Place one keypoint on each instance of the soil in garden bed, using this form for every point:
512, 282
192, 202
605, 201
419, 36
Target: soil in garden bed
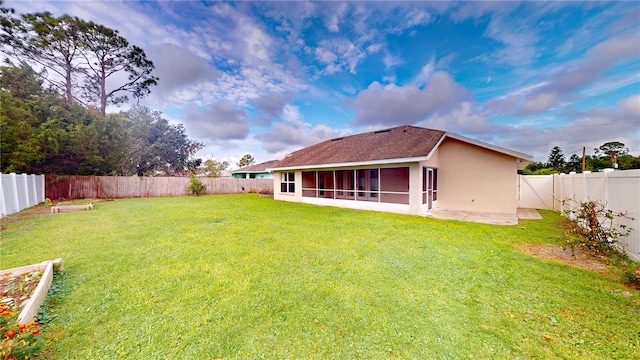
19, 288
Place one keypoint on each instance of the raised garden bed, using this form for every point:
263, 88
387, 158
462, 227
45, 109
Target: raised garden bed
69, 208
25, 288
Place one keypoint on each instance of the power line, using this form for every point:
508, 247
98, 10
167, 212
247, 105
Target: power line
542, 128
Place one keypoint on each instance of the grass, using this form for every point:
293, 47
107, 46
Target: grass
242, 276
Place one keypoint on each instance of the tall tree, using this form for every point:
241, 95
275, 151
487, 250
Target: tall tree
574, 163
22, 110
42, 135
48, 42
156, 146
614, 150
246, 160
214, 168
79, 57
556, 159
107, 53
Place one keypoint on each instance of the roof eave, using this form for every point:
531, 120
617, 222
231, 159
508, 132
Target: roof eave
249, 172
352, 164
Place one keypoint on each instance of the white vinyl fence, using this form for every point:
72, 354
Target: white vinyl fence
619, 191
20, 191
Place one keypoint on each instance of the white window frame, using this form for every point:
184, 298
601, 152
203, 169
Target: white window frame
288, 179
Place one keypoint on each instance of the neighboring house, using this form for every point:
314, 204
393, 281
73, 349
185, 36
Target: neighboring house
257, 171
405, 169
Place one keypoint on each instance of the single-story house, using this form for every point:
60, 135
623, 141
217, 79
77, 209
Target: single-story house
257, 171
405, 169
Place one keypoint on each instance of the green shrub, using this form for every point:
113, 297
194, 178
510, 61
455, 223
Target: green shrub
196, 187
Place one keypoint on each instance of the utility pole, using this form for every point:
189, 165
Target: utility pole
584, 158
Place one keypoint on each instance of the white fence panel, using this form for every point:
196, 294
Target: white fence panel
622, 194
618, 190
18, 192
535, 192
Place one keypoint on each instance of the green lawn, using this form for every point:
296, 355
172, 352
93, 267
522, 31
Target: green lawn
241, 276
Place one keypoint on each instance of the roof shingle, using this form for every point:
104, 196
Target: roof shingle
394, 143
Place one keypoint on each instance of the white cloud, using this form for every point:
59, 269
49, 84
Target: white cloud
271, 107
417, 16
462, 119
426, 72
287, 137
589, 129
219, 121
374, 48
398, 105
333, 21
291, 114
631, 107
595, 62
537, 103
391, 61
178, 67
326, 56
339, 54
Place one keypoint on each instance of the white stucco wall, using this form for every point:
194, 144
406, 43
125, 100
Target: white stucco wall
472, 178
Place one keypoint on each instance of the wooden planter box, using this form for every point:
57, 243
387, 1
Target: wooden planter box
30, 310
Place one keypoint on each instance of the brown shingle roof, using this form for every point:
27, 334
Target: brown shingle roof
262, 167
395, 143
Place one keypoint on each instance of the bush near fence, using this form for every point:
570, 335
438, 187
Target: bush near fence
71, 187
619, 191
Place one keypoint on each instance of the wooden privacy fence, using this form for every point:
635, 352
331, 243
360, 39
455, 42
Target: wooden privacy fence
66, 187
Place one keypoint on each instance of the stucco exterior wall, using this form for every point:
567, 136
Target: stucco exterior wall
278, 195
472, 178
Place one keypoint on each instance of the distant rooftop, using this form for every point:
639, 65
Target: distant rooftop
261, 167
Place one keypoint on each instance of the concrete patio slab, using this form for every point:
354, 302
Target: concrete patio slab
529, 214
485, 218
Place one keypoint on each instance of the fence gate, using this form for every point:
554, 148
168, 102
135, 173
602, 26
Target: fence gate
535, 191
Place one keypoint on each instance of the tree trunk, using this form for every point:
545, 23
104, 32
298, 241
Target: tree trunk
103, 93
68, 95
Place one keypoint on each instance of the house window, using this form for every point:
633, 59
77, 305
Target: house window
287, 182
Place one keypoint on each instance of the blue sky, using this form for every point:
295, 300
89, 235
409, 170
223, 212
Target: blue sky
268, 78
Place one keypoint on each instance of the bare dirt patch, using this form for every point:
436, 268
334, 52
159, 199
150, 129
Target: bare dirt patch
39, 210
35, 211
575, 257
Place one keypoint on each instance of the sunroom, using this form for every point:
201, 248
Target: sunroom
385, 188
